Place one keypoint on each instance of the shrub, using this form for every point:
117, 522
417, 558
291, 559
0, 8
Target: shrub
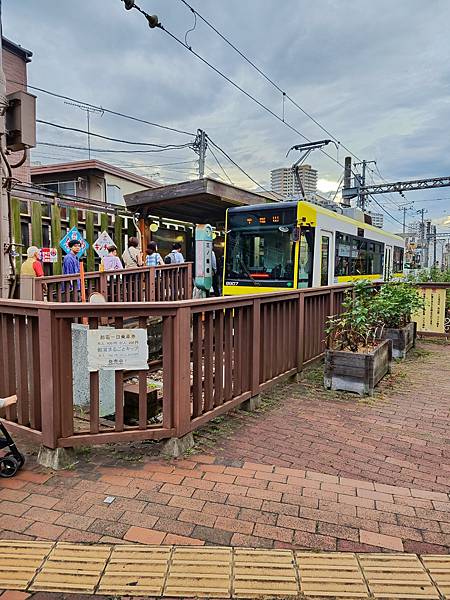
396, 302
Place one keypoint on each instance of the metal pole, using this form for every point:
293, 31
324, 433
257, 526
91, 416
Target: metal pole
434, 245
363, 184
202, 154
89, 134
4, 208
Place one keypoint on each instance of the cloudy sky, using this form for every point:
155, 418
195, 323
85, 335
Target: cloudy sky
374, 73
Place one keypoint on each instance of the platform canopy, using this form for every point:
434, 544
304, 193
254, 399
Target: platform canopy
200, 201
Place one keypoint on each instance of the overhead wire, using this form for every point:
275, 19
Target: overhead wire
110, 151
106, 110
220, 166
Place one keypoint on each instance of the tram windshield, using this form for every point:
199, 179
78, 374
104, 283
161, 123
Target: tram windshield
260, 250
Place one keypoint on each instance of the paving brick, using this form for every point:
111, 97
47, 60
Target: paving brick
418, 523
424, 548
79, 537
104, 527
258, 467
433, 537
138, 519
12, 508
250, 541
338, 531
253, 482
322, 477
168, 478
162, 510
349, 546
296, 523
42, 514
226, 488
392, 489
13, 523
314, 541
240, 472
25, 475
13, 484
122, 491
264, 494
428, 495
376, 515
75, 521
154, 497
197, 518
297, 500
212, 536
356, 501
234, 525
281, 508
290, 472
258, 516
176, 490
368, 485
274, 533
217, 497
374, 495
181, 540
45, 531
14, 595
220, 478
116, 480
107, 512
405, 533
12, 495
220, 510
190, 503
383, 541
174, 526
144, 536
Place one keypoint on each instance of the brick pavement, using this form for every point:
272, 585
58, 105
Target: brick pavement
335, 485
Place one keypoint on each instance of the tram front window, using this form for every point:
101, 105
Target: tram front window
261, 257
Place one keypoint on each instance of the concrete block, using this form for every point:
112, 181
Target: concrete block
252, 403
176, 447
57, 459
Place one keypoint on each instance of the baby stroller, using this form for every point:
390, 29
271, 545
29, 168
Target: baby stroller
13, 460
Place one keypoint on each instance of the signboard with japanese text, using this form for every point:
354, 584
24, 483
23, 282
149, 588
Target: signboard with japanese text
101, 244
74, 234
116, 349
48, 255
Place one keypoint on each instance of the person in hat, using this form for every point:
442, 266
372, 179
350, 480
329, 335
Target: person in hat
71, 262
32, 265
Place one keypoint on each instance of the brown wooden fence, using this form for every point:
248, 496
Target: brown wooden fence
216, 354
144, 284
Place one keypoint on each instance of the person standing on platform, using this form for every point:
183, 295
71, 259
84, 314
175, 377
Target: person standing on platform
154, 259
175, 257
112, 262
71, 262
32, 266
132, 257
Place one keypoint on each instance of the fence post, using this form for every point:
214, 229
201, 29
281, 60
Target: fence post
332, 308
49, 357
152, 285
301, 332
103, 285
38, 289
255, 347
181, 385
188, 282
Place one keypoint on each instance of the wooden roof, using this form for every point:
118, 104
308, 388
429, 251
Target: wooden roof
200, 201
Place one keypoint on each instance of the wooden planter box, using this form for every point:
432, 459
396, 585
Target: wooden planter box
402, 339
355, 371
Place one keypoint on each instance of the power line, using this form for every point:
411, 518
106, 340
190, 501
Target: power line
240, 168
111, 151
106, 110
104, 137
220, 166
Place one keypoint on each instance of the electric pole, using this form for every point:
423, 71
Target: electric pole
362, 197
422, 211
4, 207
405, 208
200, 146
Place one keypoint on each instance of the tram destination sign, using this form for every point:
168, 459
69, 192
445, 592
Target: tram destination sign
117, 349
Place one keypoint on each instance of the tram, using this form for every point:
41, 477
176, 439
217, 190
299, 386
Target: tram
271, 247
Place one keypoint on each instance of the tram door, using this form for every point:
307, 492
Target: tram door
387, 262
325, 258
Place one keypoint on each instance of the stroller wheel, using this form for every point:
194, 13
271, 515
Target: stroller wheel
20, 458
8, 466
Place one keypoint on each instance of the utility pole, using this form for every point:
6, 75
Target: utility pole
405, 208
434, 244
200, 146
422, 211
362, 197
4, 208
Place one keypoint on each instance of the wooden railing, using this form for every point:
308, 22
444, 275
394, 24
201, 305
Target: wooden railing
144, 284
215, 353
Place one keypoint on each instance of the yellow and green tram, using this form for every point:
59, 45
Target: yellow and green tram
290, 245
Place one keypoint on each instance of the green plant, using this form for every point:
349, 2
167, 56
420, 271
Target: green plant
356, 327
395, 303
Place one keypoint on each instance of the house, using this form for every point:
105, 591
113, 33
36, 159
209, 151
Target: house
92, 179
15, 60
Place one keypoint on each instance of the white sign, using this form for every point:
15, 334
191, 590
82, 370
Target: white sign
101, 244
116, 349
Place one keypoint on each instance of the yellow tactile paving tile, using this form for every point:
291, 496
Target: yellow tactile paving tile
331, 575
136, 571
72, 568
397, 576
439, 568
19, 562
200, 572
264, 573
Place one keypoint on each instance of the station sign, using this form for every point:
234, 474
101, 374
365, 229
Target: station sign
74, 234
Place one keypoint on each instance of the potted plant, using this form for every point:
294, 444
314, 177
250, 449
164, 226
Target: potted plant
393, 306
356, 358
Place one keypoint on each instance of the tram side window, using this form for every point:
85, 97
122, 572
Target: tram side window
398, 259
357, 256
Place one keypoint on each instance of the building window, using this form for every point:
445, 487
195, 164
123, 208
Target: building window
68, 188
114, 194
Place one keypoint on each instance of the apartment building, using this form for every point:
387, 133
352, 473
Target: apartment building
284, 182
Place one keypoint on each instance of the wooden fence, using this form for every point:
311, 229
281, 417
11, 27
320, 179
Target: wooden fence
216, 354
144, 284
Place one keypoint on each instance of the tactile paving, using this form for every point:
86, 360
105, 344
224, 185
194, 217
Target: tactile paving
439, 568
331, 575
264, 573
20, 561
136, 571
202, 572
397, 576
72, 568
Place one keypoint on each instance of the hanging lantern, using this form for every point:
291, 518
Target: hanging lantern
154, 227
